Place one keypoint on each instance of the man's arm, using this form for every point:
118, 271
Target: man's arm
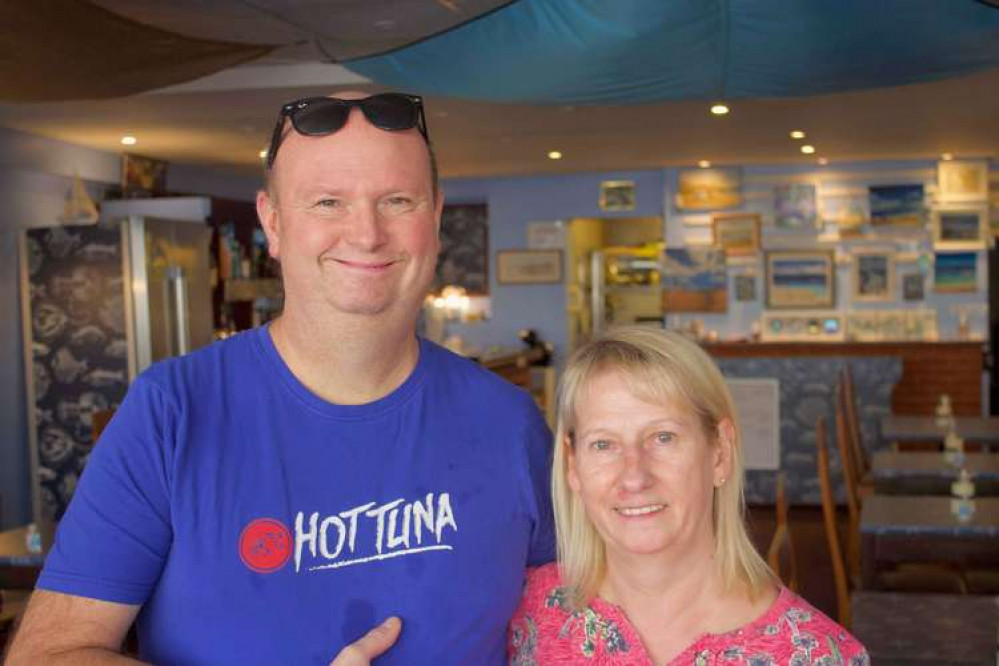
75, 631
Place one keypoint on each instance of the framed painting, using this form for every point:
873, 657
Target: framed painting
960, 226
873, 275
962, 181
738, 234
693, 280
142, 176
617, 195
955, 272
795, 207
529, 266
801, 278
463, 260
846, 212
745, 287
913, 287
897, 205
709, 189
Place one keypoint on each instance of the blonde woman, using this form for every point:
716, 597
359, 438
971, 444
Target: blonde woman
655, 566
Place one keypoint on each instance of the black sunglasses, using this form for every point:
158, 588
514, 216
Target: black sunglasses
319, 116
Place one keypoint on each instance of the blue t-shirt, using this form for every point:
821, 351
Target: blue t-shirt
260, 524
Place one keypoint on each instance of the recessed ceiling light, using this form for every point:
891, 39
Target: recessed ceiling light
704, 164
554, 155
823, 161
797, 134
808, 149
129, 141
719, 109
947, 157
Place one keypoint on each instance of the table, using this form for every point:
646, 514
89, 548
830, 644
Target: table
925, 429
901, 628
910, 528
929, 473
18, 567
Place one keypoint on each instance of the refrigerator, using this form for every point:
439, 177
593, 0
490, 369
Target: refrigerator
100, 303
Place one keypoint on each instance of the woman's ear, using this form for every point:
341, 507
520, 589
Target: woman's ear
724, 451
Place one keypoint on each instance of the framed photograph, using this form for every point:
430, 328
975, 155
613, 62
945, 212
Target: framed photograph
617, 195
693, 280
873, 275
912, 287
897, 205
709, 189
955, 272
963, 181
545, 235
960, 226
745, 287
529, 266
801, 278
463, 260
738, 234
142, 176
795, 207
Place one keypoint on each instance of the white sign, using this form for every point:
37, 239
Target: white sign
757, 406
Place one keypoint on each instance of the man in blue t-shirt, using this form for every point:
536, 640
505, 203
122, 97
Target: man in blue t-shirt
271, 498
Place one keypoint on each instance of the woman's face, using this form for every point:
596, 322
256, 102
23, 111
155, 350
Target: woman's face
646, 472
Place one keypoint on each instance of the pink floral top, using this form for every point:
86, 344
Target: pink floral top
543, 631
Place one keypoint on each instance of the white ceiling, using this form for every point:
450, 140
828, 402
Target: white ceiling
225, 120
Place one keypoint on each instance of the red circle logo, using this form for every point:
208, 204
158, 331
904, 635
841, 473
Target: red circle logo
265, 545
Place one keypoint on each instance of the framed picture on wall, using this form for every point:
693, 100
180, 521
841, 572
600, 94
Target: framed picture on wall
912, 287
897, 205
745, 287
873, 275
693, 280
801, 278
962, 180
709, 189
955, 272
738, 234
960, 226
463, 260
142, 176
529, 266
617, 195
795, 207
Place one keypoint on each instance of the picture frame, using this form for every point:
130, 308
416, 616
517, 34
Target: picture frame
693, 280
960, 226
529, 266
962, 181
800, 279
795, 207
955, 272
738, 234
709, 189
617, 195
142, 176
873, 275
897, 206
744, 287
463, 259
913, 287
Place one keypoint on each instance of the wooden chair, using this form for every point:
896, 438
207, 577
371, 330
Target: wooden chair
839, 561
98, 421
780, 555
861, 461
849, 485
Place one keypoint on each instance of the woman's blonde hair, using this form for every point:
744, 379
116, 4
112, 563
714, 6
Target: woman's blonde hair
658, 366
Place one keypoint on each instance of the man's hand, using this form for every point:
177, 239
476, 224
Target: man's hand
371, 645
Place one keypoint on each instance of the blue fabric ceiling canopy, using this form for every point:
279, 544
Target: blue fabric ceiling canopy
639, 51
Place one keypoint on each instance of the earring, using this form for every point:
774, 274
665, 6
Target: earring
720, 482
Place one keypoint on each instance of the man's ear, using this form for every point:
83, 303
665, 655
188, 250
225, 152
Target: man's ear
269, 222
724, 451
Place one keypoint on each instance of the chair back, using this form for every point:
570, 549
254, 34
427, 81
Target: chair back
780, 554
839, 563
98, 421
861, 463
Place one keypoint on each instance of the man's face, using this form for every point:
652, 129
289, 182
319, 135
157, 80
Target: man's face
353, 219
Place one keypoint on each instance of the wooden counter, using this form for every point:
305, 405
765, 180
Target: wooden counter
928, 368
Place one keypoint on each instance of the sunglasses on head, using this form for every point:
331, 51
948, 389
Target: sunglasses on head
319, 116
